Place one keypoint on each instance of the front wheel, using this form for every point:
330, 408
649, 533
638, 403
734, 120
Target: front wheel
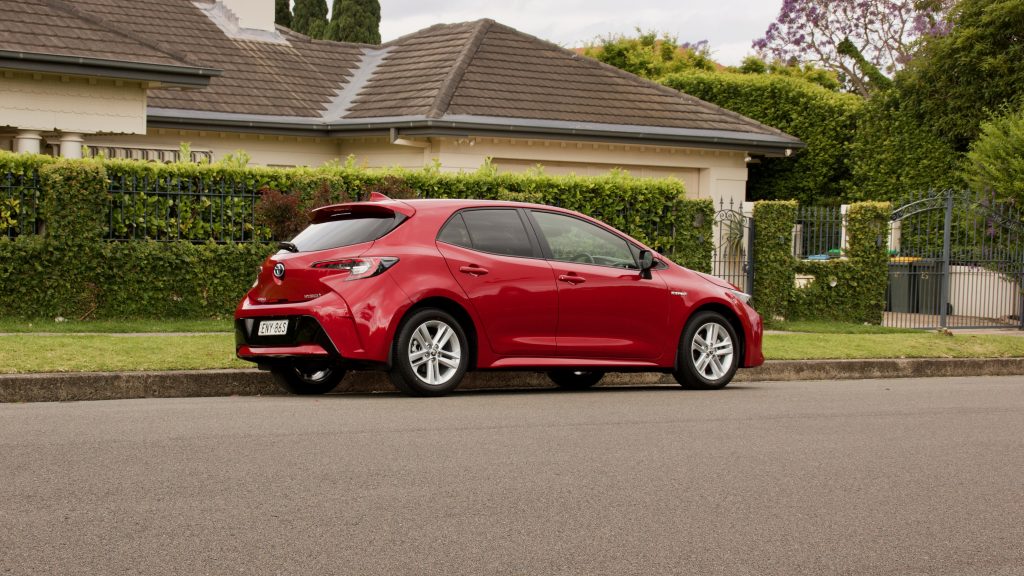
708, 352
308, 380
575, 379
430, 354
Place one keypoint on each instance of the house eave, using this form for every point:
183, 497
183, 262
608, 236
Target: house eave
481, 126
166, 75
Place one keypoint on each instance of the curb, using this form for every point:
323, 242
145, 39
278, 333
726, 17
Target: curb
74, 386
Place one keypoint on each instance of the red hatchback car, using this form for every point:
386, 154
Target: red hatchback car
429, 289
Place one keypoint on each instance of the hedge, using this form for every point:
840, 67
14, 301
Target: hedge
72, 268
825, 120
773, 256
860, 279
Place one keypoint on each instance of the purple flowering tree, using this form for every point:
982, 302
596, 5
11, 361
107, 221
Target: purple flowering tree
854, 38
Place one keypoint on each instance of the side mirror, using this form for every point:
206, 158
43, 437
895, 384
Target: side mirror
646, 263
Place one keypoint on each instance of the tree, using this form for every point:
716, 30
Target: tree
309, 17
283, 13
355, 21
649, 56
995, 161
852, 37
959, 80
825, 78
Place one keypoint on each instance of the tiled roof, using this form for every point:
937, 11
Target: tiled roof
477, 72
63, 29
297, 78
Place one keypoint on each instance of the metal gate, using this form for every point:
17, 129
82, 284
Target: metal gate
956, 261
732, 258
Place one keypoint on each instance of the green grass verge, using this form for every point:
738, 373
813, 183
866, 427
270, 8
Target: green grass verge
114, 326
104, 353
819, 327
919, 345
108, 353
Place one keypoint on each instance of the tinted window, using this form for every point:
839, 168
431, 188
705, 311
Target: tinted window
455, 232
498, 231
345, 231
573, 240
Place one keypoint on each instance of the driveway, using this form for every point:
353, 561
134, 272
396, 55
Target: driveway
919, 476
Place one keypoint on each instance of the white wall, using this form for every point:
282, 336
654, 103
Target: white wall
47, 102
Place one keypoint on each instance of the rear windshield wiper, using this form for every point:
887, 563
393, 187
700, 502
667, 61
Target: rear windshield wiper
288, 246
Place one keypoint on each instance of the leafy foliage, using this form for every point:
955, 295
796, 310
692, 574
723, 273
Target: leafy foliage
961, 79
892, 153
823, 119
809, 72
835, 34
773, 256
355, 21
283, 13
996, 158
860, 280
280, 213
309, 17
650, 56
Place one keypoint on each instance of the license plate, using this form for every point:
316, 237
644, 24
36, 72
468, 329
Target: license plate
272, 328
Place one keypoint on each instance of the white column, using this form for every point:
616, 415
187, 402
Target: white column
27, 141
71, 145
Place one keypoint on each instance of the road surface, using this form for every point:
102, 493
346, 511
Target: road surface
895, 477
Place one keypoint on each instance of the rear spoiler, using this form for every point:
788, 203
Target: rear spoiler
378, 204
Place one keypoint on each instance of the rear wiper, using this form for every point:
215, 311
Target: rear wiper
288, 246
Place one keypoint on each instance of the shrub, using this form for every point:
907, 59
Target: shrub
995, 162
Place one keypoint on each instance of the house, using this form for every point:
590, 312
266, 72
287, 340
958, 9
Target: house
136, 79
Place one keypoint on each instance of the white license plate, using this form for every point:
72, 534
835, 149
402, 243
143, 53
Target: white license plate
272, 328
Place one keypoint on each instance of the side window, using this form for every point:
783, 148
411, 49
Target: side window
573, 240
499, 231
455, 232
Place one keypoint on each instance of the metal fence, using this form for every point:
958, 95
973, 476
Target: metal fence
820, 232
19, 204
957, 261
176, 208
732, 257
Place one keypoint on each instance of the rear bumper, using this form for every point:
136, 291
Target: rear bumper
257, 353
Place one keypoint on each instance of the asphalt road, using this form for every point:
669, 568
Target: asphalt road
898, 477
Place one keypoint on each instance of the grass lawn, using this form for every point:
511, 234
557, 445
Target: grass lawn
111, 326
108, 352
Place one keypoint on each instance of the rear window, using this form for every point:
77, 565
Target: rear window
346, 231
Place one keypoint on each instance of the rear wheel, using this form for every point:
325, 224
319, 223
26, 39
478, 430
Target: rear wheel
307, 380
575, 379
430, 355
708, 352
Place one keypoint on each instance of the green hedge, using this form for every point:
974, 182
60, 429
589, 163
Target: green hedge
824, 120
851, 289
71, 269
773, 256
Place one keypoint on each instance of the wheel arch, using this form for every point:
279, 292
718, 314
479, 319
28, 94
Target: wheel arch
451, 307
729, 314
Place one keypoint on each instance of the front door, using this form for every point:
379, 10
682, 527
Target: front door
605, 308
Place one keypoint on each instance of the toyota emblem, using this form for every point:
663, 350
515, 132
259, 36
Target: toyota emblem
279, 270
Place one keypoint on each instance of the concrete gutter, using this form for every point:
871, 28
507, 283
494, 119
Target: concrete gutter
75, 386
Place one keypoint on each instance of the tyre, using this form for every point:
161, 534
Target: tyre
430, 355
307, 380
575, 379
708, 352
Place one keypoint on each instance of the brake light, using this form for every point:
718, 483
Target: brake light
358, 268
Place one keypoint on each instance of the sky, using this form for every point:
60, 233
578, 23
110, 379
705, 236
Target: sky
729, 25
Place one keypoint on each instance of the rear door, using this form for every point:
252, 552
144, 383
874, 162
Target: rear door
499, 265
605, 308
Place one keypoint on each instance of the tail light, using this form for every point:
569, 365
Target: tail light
357, 268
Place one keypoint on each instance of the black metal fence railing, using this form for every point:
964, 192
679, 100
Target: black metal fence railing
819, 233
19, 204
178, 208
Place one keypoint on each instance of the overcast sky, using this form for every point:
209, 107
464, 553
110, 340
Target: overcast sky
729, 25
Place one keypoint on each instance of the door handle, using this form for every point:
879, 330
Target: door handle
473, 270
572, 279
